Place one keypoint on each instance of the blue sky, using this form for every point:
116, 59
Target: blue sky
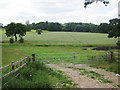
56, 11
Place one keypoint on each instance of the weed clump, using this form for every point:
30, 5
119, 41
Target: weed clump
11, 40
21, 40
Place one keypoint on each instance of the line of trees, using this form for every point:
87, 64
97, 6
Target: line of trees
73, 27
113, 28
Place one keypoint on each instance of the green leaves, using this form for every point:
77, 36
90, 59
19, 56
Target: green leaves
15, 28
87, 2
115, 32
10, 29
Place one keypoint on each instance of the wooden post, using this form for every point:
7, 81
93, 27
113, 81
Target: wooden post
21, 63
74, 58
111, 55
118, 80
13, 67
33, 57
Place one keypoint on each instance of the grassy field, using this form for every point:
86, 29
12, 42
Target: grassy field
52, 42
68, 38
15, 52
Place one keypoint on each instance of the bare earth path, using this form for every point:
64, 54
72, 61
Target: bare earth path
87, 82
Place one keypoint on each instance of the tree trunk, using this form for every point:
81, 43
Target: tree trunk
15, 37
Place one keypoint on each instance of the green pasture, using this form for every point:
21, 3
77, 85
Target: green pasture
80, 38
52, 42
16, 52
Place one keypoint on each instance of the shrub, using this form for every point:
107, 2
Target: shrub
39, 31
11, 40
118, 43
21, 40
38, 66
41, 80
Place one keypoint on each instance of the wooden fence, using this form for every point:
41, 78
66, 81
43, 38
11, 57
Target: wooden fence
12, 65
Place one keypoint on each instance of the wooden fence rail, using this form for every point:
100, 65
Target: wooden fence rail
13, 66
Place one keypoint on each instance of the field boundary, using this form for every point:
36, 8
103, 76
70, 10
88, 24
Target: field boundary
22, 62
35, 57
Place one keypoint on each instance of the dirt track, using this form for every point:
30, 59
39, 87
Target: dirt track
87, 82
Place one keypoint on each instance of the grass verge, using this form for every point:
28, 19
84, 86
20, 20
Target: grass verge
37, 75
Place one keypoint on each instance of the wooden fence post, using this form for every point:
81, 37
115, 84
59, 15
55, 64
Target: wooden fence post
13, 67
111, 55
74, 58
21, 63
33, 57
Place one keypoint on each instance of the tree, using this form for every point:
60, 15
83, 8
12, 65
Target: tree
82, 28
104, 28
27, 22
113, 21
41, 25
115, 32
28, 25
70, 26
13, 29
87, 2
33, 25
54, 26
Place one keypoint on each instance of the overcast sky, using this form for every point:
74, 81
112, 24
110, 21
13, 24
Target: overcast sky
56, 11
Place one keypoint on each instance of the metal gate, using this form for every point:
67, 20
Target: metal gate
86, 58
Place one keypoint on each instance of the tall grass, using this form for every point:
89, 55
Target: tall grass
105, 63
37, 75
30, 77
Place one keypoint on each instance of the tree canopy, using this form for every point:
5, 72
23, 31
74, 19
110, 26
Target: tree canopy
115, 32
13, 29
87, 2
72, 27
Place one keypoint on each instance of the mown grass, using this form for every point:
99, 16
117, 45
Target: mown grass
37, 75
14, 52
68, 38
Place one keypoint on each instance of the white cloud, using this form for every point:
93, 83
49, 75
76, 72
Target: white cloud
56, 10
